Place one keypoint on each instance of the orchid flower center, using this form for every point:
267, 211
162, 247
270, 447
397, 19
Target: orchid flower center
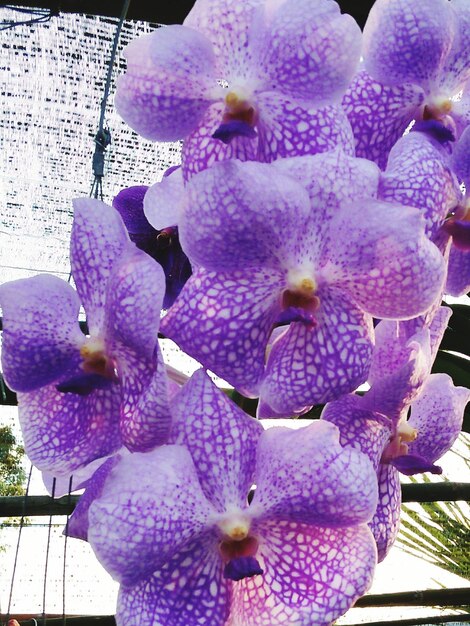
437, 109
398, 445
239, 118
95, 359
238, 548
238, 107
299, 299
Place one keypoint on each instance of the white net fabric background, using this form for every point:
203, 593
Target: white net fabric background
52, 78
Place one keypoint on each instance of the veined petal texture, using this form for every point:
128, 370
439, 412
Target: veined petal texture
437, 416
221, 438
379, 114
304, 475
41, 335
188, 590
418, 175
169, 83
238, 216
408, 42
97, 240
384, 260
310, 51
150, 506
312, 575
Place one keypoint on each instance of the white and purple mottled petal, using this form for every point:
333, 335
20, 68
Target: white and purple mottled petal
77, 524
379, 114
417, 175
288, 127
188, 590
41, 335
170, 82
386, 521
231, 26
408, 42
399, 368
224, 320
134, 299
311, 575
384, 260
456, 70
461, 158
238, 215
458, 273
221, 438
359, 427
323, 176
304, 475
150, 506
315, 363
65, 431
437, 416
97, 241
164, 201
310, 50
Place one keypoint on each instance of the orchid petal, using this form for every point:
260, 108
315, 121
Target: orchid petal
456, 70
77, 524
408, 42
134, 300
236, 206
231, 27
289, 128
461, 158
64, 431
417, 175
41, 335
304, 475
386, 521
209, 425
437, 416
311, 575
458, 274
224, 321
187, 590
310, 50
315, 364
168, 85
359, 427
384, 260
150, 506
379, 114
98, 238
163, 202
399, 369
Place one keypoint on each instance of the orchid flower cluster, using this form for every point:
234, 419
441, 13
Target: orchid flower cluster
301, 249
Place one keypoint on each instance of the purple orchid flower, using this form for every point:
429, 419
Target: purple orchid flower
175, 528
162, 245
378, 423
421, 173
416, 63
258, 81
301, 238
82, 397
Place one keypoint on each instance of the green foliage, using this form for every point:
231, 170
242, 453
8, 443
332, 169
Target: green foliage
439, 533
12, 474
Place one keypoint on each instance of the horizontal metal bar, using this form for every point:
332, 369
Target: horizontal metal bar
458, 596
36, 506
32, 506
417, 621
